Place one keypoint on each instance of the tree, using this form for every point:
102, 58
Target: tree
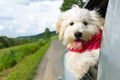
8, 42
47, 33
67, 4
4, 41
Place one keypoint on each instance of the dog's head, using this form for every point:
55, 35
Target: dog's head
77, 26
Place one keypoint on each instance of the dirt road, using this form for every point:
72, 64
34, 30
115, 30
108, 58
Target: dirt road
50, 67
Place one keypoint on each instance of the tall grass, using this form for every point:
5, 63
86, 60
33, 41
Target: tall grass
27, 68
15, 55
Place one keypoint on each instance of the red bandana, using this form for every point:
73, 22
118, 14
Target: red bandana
94, 43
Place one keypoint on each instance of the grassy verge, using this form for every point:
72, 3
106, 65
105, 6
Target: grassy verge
54, 37
15, 55
6, 50
27, 68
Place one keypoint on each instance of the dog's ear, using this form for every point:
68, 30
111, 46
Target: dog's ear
58, 25
99, 21
59, 29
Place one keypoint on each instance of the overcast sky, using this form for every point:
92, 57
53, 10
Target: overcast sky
28, 17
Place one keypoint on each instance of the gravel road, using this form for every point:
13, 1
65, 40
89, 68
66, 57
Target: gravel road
50, 67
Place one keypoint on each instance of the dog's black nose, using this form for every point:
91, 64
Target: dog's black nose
78, 34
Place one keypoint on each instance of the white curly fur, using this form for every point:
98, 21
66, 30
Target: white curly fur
76, 63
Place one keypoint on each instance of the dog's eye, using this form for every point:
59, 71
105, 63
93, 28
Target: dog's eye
85, 23
71, 23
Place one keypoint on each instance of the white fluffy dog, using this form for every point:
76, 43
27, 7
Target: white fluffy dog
81, 30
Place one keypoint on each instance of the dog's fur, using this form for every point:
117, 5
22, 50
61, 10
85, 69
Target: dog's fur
88, 23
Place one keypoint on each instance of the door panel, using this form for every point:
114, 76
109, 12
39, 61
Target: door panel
109, 61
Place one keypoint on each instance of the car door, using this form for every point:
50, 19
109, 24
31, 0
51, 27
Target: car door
109, 60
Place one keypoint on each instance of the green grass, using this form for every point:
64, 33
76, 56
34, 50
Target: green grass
2, 51
54, 37
27, 68
14, 55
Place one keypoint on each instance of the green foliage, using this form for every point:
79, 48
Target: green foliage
27, 68
6, 42
6, 61
20, 41
67, 4
15, 55
47, 33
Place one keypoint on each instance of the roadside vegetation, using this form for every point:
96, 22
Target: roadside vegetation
15, 55
20, 62
6, 42
27, 68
